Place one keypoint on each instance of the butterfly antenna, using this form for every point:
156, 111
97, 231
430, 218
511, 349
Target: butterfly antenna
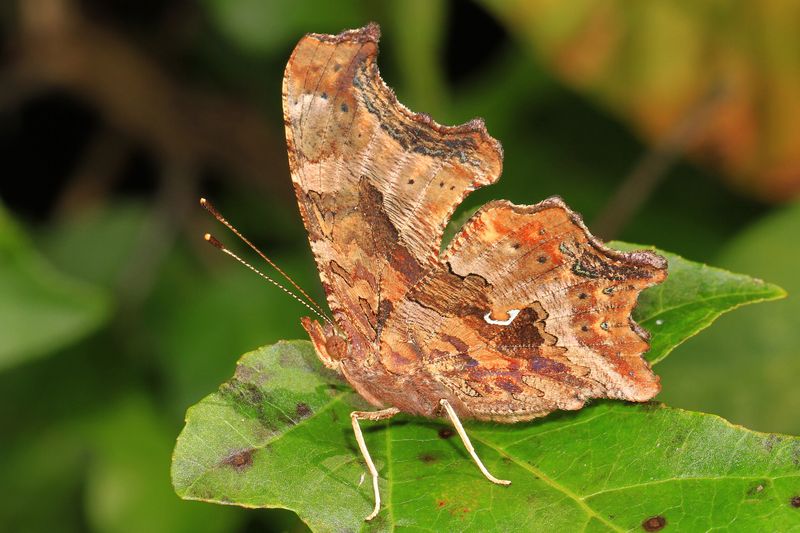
222, 220
216, 244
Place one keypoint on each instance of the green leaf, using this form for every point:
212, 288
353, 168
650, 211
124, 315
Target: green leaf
419, 26
691, 298
41, 310
278, 435
757, 346
97, 245
262, 27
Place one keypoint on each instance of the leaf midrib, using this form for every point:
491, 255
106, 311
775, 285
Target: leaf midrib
682, 479
764, 296
553, 483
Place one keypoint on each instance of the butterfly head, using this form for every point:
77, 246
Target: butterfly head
331, 346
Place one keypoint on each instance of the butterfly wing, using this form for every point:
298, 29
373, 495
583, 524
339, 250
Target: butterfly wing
524, 312
375, 183
528, 313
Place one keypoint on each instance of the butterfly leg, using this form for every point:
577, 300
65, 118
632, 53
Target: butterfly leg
355, 416
467, 444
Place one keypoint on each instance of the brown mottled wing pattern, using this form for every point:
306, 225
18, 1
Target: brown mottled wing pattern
529, 313
376, 183
524, 313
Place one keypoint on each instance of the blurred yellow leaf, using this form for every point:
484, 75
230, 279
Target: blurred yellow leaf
654, 63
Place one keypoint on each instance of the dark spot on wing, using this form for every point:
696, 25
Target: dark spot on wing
469, 362
590, 263
344, 108
457, 343
543, 365
507, 385
525, 332
385, 236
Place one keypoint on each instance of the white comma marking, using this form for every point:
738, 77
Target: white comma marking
512, 314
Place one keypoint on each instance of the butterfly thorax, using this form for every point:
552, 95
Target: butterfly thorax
412, 391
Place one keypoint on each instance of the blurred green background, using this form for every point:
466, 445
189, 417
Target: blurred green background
668, 123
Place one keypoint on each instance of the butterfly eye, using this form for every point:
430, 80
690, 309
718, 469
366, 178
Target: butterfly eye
512, 314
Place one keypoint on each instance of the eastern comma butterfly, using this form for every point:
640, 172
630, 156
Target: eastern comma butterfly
523, 313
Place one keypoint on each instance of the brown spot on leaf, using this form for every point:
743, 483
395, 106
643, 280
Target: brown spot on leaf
770, 442
248, 401
427, 458
446, 433
240, 460
302, 410
441, 503
654, 523
795, 502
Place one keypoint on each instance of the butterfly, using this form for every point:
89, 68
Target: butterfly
522, 314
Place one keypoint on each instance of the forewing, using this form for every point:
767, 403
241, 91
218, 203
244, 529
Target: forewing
528, 313
375, 183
